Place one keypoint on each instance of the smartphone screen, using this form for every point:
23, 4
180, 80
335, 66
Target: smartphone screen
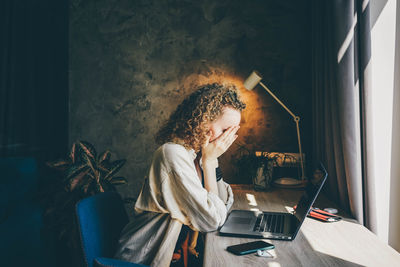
250, 247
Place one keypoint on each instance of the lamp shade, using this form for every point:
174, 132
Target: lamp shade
252, 80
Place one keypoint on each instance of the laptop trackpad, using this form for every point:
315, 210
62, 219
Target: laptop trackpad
240, 220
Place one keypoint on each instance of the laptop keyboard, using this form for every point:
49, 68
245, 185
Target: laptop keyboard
269, 223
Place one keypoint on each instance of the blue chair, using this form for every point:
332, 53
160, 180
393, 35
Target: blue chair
100, 220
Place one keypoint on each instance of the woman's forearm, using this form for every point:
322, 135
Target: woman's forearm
210, 179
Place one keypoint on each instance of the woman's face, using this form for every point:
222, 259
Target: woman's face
229, 117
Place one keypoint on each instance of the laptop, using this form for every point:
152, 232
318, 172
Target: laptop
275, 225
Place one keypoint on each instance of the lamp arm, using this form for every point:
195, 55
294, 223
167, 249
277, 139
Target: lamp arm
277, 99
296, 119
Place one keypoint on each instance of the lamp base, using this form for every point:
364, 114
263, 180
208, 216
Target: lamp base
287, 182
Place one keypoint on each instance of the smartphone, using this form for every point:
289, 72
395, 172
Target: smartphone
247, 248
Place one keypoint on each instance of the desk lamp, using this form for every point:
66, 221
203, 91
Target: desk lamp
249, 84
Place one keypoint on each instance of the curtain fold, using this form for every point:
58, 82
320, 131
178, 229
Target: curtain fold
363, 77
340, 60
33, 78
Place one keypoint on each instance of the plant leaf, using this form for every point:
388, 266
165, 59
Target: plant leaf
86, 188
118, 180
78, 180
76, 170
92, 165
72, 154
99, 188
102, 168
105, 156
88, 149
114, 168
107, 185
60, 164
91, 176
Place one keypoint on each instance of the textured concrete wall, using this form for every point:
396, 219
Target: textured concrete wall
132, 62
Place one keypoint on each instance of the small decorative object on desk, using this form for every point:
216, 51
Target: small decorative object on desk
254, 167
263, 176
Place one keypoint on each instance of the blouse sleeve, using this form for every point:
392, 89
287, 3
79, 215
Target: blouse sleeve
225, 193
185, 197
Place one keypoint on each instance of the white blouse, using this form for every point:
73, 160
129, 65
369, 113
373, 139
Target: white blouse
172, 195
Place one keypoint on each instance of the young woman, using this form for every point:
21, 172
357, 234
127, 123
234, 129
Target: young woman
184, 193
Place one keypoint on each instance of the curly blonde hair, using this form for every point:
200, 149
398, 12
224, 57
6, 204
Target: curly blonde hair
188, 125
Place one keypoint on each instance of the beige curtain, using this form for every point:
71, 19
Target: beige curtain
341, 104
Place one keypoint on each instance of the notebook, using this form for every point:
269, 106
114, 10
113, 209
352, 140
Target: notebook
275, 225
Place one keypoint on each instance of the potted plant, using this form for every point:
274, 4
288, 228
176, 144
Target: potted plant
82, 173
254, 167
88, 173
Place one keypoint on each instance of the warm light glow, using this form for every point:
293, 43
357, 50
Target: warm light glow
222, 77
251, 116
251, 199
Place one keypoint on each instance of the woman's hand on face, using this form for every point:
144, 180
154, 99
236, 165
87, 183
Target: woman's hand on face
212, 150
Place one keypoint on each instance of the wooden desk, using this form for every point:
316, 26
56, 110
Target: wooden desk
343, 243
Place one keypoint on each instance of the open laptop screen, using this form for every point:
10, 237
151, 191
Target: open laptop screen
310, 193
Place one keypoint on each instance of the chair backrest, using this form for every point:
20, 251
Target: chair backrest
100, 219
